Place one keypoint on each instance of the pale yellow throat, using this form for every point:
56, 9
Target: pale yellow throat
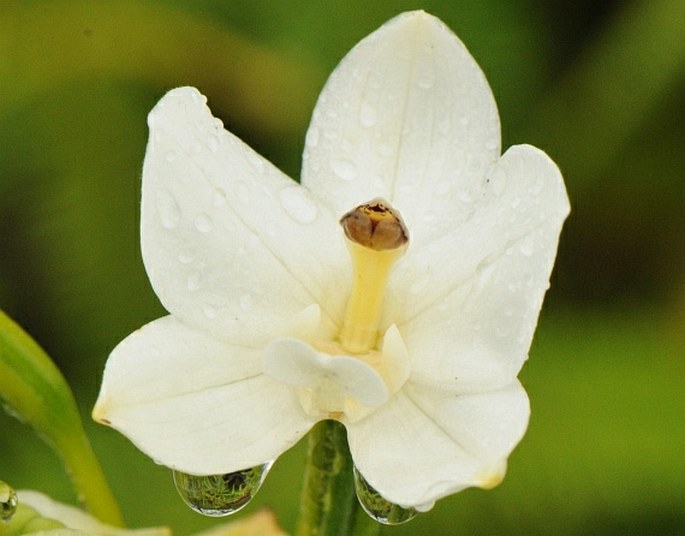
376, 238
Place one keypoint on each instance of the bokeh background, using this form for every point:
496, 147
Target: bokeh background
600, 86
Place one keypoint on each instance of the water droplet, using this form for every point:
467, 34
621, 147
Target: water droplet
526, 248
377, 507
491, 145
299, 205
368, 115
168, 209
209, 311
213, 143
312, 138
256, 161
498, 181
345, 169
219, 198
465, 197
193, 281
203, 223
220, 495
425, 83
245, 302
516, 202
8, 501
186, 256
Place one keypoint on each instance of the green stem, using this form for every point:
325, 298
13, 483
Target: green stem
328, 506
35, 390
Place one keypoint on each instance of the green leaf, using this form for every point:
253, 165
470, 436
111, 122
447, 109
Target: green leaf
33, 389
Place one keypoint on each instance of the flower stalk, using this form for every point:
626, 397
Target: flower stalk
328, 505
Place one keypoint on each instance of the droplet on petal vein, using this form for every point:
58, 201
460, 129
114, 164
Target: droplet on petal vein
377, 507
8, 501
220, 495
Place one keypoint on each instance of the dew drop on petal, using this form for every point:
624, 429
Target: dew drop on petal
425, 83
193, 281
209, 311
186, 256
312, 139
220, 495
203, 223
8, 501
298, 204
245, 302
213, 143
368, 115
256, 161
345, 169
168, 209
377, 507
219, 198
526, 248
498, 181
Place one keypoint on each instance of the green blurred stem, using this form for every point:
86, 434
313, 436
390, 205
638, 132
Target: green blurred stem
34, 390
328, 506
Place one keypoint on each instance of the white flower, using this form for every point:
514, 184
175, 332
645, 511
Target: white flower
263, 337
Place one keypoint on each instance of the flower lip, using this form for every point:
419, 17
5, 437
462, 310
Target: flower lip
375, 225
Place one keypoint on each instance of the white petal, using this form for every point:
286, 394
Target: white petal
426, 444
297, 364
77, 521
407, 115
229, 242
471, 299
195, 404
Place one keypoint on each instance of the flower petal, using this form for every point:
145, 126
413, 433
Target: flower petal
408, 116
229, 242
77, 521
426, 444
471, 299
196, 404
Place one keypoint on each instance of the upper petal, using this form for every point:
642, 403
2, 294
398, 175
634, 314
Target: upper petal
196, 404
229, 242
469, 301
426, 443
407, 115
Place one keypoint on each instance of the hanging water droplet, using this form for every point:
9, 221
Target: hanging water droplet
220, 495
8, 501
377, 507
345, 169
168, 209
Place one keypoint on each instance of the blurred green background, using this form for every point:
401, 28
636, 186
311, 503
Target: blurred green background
600, 86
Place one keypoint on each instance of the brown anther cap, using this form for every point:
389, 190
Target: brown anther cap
375, 225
